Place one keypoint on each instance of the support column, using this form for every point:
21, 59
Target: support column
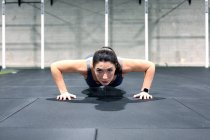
207, 32
3, 36
146, 31
106, 23
42, 34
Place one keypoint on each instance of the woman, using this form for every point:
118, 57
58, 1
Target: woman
103, 69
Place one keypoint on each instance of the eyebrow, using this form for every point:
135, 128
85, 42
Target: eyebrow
104, 69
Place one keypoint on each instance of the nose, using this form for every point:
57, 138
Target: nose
105, 76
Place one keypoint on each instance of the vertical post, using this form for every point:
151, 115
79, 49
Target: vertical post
146, 31
207, 33
19, 3
3, 36
51, 2
42, 34
106, 23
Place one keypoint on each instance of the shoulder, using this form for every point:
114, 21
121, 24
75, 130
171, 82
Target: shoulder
135, 65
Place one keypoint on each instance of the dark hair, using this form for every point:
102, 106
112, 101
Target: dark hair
107, 54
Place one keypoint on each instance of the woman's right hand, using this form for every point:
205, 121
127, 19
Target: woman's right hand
66, 96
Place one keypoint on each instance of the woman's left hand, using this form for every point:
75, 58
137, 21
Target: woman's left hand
143, 96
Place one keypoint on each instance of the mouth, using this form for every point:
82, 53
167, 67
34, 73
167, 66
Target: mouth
104, 82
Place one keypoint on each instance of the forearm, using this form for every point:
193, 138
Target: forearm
58, 78
149, 75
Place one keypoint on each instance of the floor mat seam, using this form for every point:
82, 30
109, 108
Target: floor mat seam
24, 106
192, 110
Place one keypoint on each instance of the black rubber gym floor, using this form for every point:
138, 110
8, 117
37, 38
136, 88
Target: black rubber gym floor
180, 108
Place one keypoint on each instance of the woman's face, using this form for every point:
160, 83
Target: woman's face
104, 72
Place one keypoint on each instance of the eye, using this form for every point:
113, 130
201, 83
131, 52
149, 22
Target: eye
110, 70
98, 70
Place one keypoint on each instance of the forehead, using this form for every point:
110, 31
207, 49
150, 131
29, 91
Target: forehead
104, 65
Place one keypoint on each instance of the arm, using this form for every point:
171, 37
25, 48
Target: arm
137, 65
149, 75
60, 67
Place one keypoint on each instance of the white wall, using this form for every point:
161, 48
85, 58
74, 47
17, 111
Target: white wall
75, 28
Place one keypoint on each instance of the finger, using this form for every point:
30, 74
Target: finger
151, 97
74, 96
148, 97
68, 97
64, 98
136, 96
141, 97
58, 97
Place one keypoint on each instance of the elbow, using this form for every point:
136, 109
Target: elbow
151, 67
53, 67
